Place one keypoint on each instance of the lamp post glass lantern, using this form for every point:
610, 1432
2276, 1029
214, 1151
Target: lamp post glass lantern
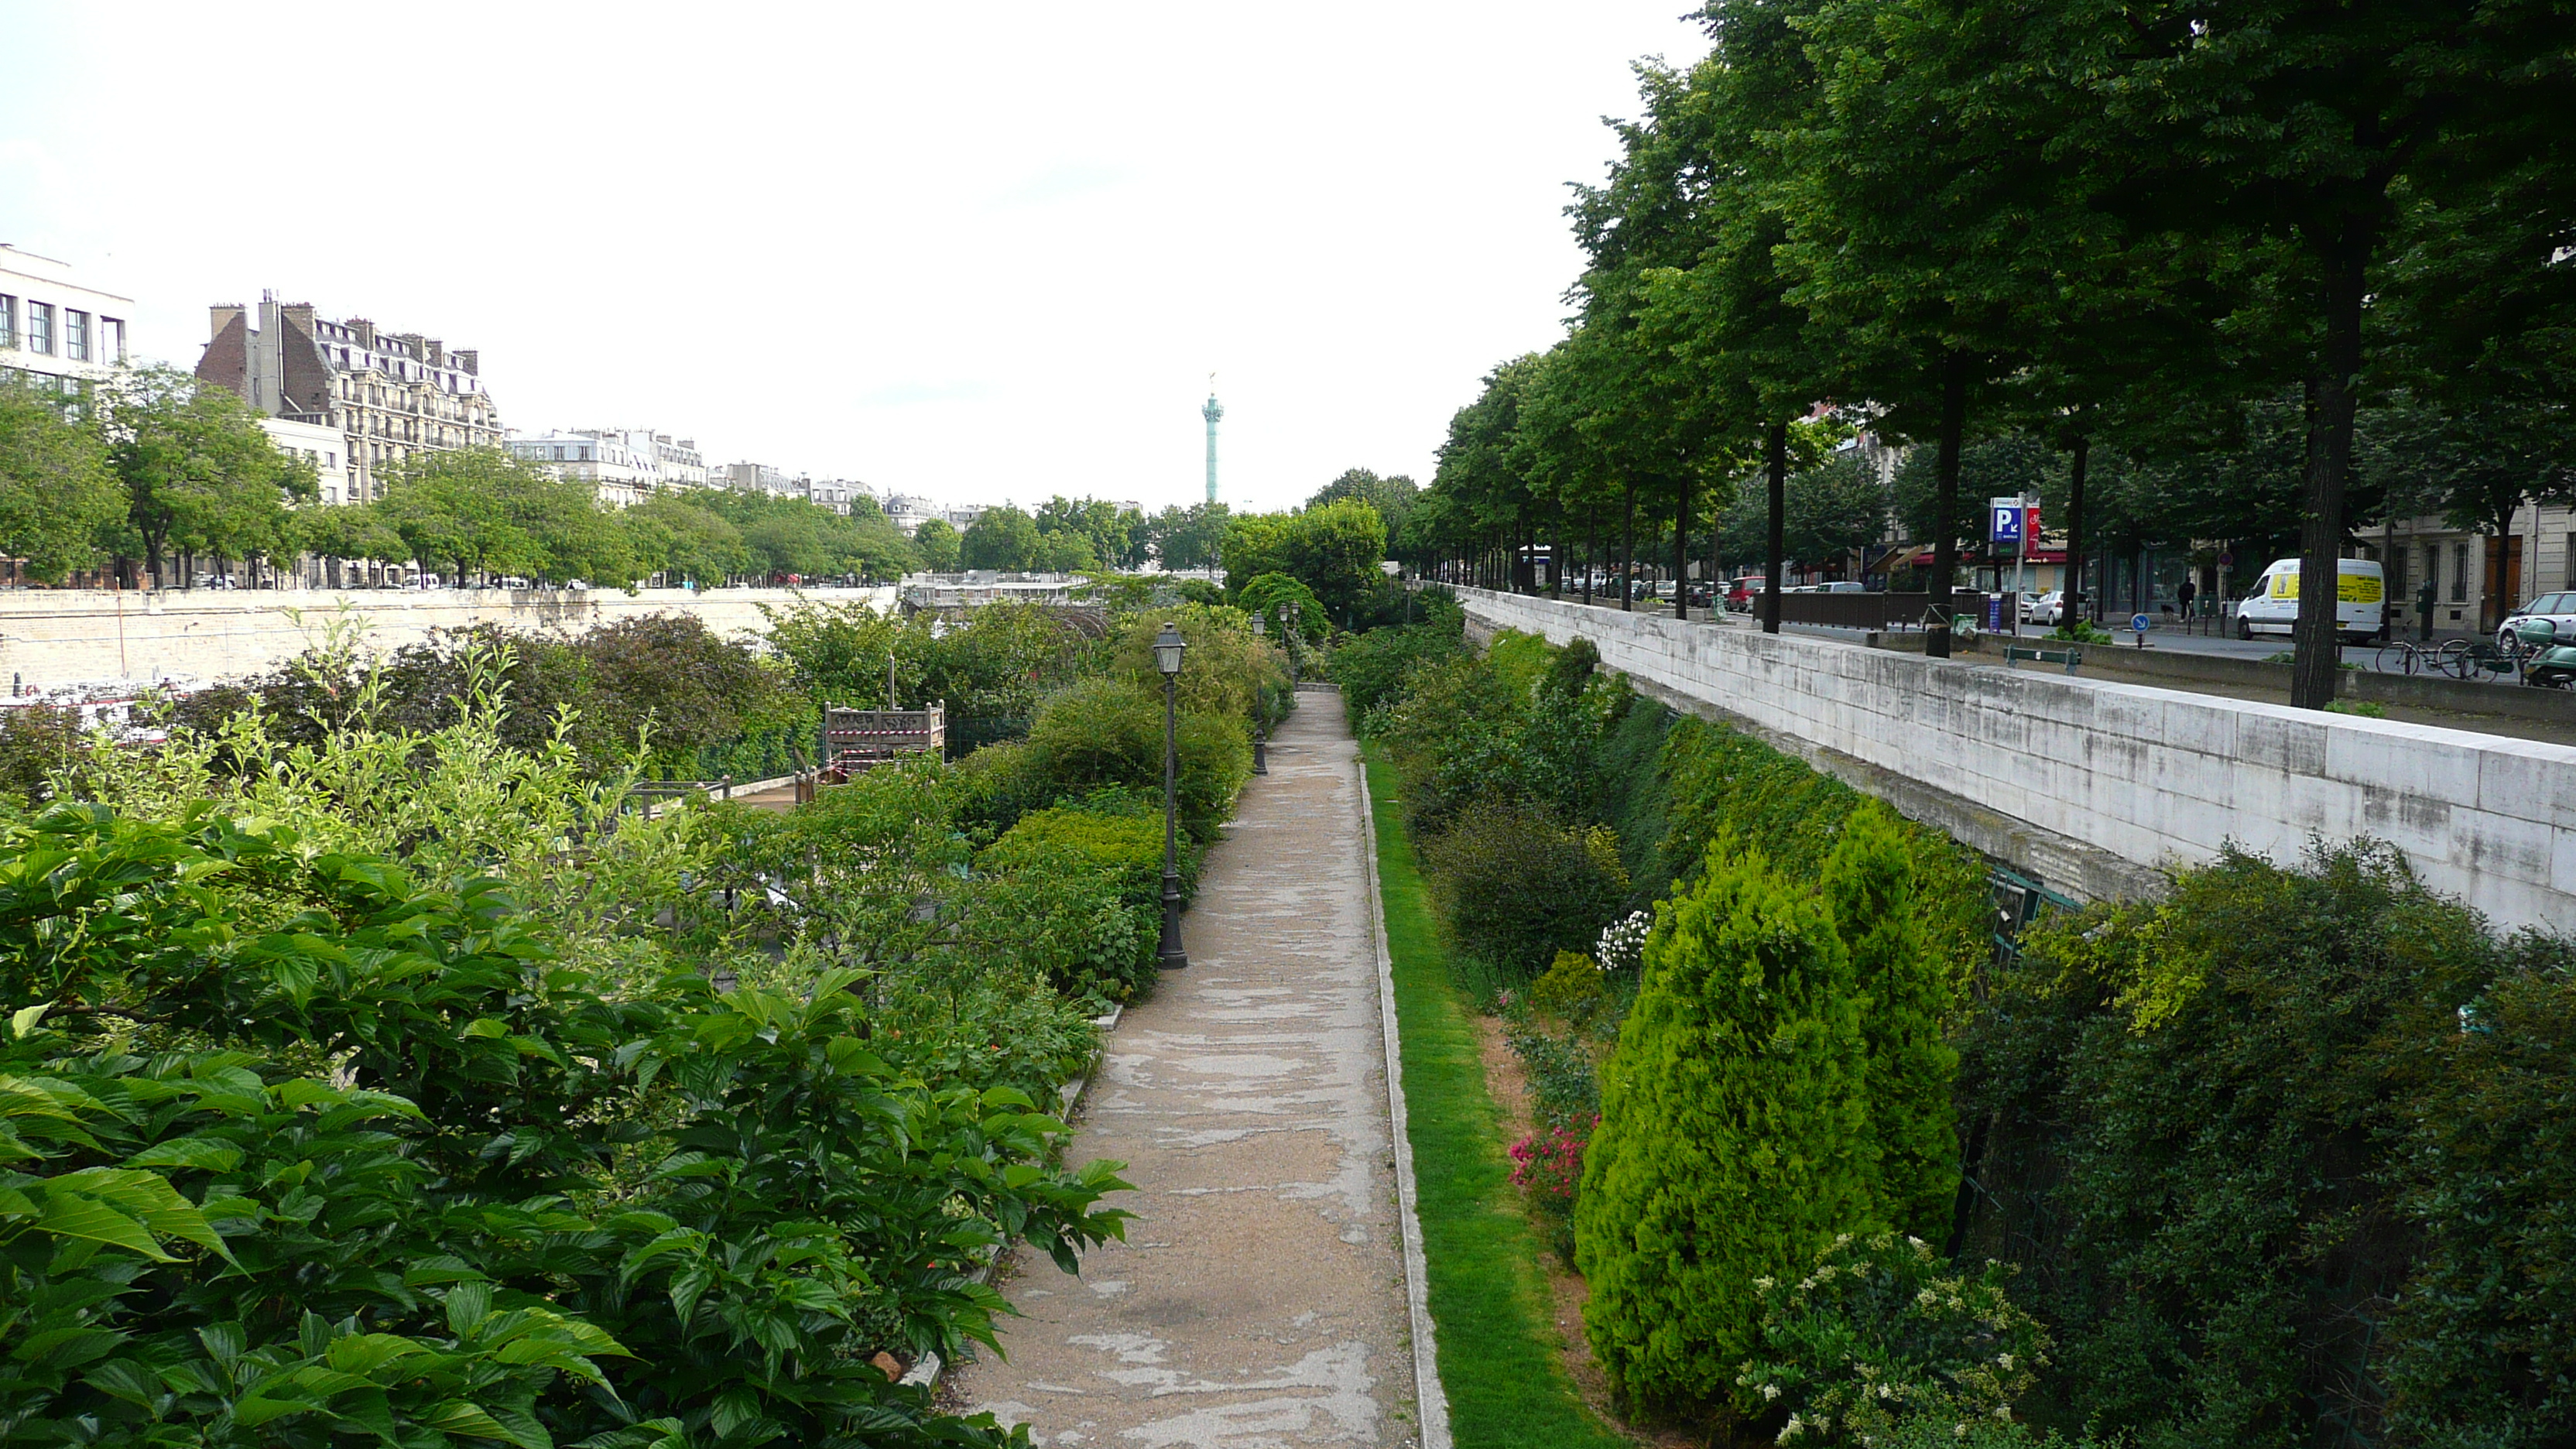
1168, 648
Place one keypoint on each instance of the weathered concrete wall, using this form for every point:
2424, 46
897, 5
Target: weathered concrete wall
53, 637
2150, 776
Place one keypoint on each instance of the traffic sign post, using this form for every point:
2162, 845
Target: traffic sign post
2013, 521
2138, 626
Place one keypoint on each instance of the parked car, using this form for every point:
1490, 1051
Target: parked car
1843, 586
2558, 609
1741, 593
2048, 608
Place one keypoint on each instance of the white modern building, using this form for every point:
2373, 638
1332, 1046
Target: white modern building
318, 446
52, 327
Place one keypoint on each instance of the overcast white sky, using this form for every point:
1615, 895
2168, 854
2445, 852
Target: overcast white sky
980, 252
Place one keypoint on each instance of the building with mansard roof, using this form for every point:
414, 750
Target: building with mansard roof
390, 395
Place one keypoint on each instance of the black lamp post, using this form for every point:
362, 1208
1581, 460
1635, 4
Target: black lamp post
1260, 736
1168, 647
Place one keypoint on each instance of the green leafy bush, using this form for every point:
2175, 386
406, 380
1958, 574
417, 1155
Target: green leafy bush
1734, 1138
300, 1150
1515, 891
2210, 1125
663, 686
1371, 668
1227, 671
37, 743
1879, 1330
1056, 854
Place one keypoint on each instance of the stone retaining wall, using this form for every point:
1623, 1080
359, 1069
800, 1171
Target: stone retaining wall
2151, 776
55, 637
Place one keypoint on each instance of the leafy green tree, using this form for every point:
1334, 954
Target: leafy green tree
1696, 211
1333, 550
938, 542
2476, 465
1192, 537
673, 536
1393, 496
57, 491
1734, 1140
1066, 553
2292, 141
1832, 510
199, 472
1001, 538
1937, 289
1116, 535
349, 531
485, 512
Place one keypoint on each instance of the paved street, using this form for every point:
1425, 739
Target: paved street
1259, 1301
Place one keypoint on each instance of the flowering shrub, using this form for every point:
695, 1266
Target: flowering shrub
1881, 1331
1623, 942
1548, 1165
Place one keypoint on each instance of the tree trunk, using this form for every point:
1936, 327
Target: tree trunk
2317, 655
1628, 563
1945, 494
1775, 526
2078, 457
1681, 545
1591, 540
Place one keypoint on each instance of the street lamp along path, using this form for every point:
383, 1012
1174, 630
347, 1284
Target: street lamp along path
1168, 648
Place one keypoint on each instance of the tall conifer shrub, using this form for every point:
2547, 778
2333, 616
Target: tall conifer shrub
1734, 1142
1869, 883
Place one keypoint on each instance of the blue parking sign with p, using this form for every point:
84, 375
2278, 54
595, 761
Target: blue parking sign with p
2006, 524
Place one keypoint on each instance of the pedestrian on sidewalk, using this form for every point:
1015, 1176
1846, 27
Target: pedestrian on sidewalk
2185, 594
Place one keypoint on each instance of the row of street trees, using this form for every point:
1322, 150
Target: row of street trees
152, 472
2249, 269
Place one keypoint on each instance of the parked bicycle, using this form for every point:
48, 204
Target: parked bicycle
2453, 658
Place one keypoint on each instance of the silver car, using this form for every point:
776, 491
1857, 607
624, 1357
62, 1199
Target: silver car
2558, 609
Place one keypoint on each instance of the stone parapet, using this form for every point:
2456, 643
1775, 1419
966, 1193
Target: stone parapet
2128, 772
53, 638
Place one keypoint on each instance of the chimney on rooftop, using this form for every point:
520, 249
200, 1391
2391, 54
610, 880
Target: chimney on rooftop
223, 315
364, 330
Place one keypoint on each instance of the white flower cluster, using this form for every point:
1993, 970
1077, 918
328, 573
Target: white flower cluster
1623, 942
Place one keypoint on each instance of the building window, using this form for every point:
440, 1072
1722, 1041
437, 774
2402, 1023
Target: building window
75, 334
112, 340
2459, 573
8, 321
40, 327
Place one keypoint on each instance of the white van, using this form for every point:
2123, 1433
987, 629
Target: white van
2273, 608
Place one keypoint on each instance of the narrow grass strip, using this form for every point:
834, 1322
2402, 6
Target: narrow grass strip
1490, 1306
